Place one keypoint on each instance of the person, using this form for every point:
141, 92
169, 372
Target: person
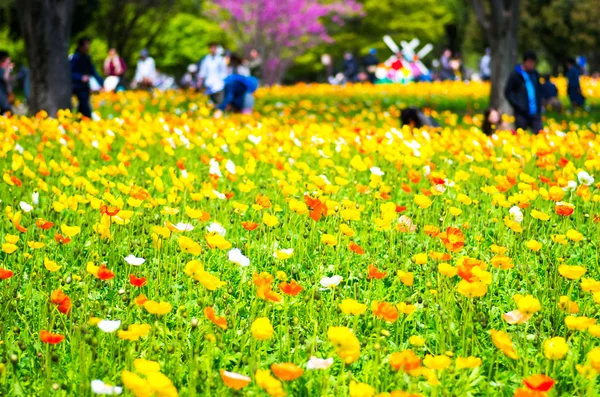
415, 118
145, 72
6, 67
237, 90
492, 122
213, 71
549, 94
114, 66
82, 71
350, 67
522, 91
573, 87
189, 79
255, 64
370, 62
485, 65
446, 72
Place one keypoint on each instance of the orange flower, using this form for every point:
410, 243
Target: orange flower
405, 361
564, 209
43, 224
385, 311
138, 193
431, 230
61, 239
62, 300
355, 248
141, 299
263, 201
465, 268
266, 292
292, 288
414, 176
234, 380
220, 322
137, 281
373, 272
104, 273
50, 338
250, 226
440, 256
539, 383
287, 371
5, 273
400, 208
317, 208
109, 210
263, 278
453, 239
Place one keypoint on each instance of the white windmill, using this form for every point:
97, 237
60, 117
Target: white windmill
408, 55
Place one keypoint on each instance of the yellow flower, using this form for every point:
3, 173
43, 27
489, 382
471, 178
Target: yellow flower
539, 215
447, 270
567, 305
284, 254
347, 230
328, 239
594, 330
594, 358
146, 366
468, 362
262, 328
528, 305
134, 332
215, 240
405, 308
559, 238
157, 307
579, 323
137, 385
350, 306
590, 285
574, 235
437, 362
416, 340
188, 245
9, 248
455, 211
361, 390
11, 238
471, 290
555, 348
51, 266
70, 231
358, 163
534, 245
422, 201
407, 278
345, 343
270, 384
420, 259
298, 207
270, 220
504, 344
571, 272
35, 245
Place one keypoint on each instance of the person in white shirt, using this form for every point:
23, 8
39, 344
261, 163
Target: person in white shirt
145, 73
213, 71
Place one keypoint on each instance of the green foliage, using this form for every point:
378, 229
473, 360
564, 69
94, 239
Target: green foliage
16, 48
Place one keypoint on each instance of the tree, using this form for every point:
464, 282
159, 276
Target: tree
46, 29
501, 28
280, 30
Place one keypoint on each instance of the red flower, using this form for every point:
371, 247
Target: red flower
16, 181
104, 273
373, 272
61, 239
109, 210
292, 288
356, 248
541, 383
180, 164
250, 226
564, 209
62, 300
5, 273
43, 224
400, 208
50, 338
316, 206
137, 281
562, 163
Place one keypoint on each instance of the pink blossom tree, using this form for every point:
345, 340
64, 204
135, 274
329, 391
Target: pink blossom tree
280, 30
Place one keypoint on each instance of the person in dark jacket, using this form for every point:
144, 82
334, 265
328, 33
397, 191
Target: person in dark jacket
350, 67
82, 69
415, 118
549, 93
371, 61
6, 67
523, 92
573, 88
238, 90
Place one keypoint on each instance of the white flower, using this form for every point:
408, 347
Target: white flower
99, 387
184, 174
216, 228
19, 148
585, 178
332, 281
319, 363
516, 214
219, 195
35, 198
214, 168
254, 139
134, 260
235, 375
236, 256
230, 167
377, 171
184, 227
283, 253
25, 207
109, 325
571, 186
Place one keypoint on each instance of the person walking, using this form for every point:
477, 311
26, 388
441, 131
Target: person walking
523, 92
238, 90
114, 66
255, 64
446, 71
573, 87
485, 65
145, 72
370, 62
6, 67
350, 67
82, 70
213, 71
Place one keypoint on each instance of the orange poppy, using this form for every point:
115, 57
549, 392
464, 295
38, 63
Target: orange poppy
43, 224
431, 230
287, 371
414, 176
250, 226
453, 239
137, 281
373, 272
16, 181
50, 338
263, 201
104, 273
18, 226
138, 193
385, 311
220, 322
539, 383
405, 360
356, 248
564, 209
140, 299
180, 164
266, 292
62, 300
234, 380
5, 273
292, 288
562, 162
229, 195
61, 239
316, 206
440, 256
464, 269
263, 278
109, 210
400, 208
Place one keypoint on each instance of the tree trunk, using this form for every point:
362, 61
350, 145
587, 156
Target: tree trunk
501, 27
46, 27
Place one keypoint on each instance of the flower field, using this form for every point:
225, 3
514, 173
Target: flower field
318, 250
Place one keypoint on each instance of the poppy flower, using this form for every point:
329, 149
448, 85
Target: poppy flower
317, 208
234, 380
50, 338
220, 322
265, 292
400, 208
453, 239
564, 209
140, 299
43, 224
5, 273
263, 201
385, 311
292, 288
104, 273
539, 383
109, 210
356, 248
61, 299
250, 226
405, 361
373, 272
61, 239
137, 281
287, 371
